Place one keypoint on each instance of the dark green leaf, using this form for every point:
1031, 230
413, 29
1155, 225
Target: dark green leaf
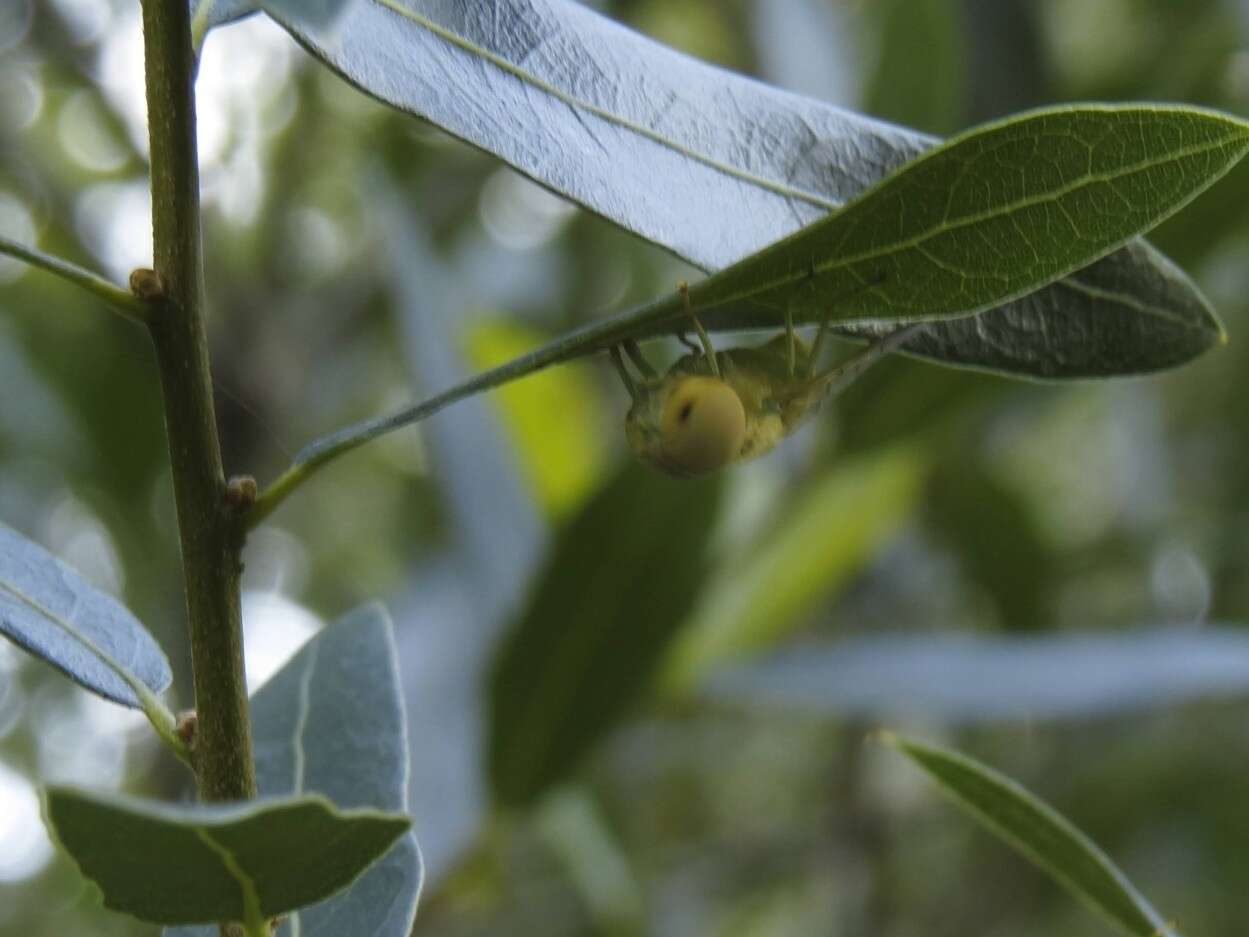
54, 613
987, 216
968, 679
994, 537
618, 582
331, 722
195, 863
921, 65
1132, 312
1038, 832
712, 165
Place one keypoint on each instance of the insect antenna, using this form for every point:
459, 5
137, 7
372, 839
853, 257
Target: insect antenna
839, 378
625, 377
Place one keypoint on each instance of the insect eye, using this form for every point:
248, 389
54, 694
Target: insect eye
703, 425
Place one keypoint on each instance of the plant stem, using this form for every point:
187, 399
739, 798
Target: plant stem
209, 529
121, 301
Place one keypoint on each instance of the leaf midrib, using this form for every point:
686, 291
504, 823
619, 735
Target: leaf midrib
141, 690
916, 241
578, 103
247, 886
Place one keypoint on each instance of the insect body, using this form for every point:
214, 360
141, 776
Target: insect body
712, 409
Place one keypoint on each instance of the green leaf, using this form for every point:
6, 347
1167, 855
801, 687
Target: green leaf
618, 582
1132, 312
195, 863
828, 533
921, 67
331, 722
593, 858
994, 538
959, 679
709, 164
986, 217
51, 611
1039, 833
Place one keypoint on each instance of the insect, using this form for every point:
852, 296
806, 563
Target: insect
715, 408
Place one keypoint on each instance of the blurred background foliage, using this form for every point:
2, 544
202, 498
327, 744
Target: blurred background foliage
925, 500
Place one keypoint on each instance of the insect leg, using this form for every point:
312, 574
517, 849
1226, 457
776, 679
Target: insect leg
839, 378
708, 349
877, 279
625, 377
685, 340
639, 362
789, 338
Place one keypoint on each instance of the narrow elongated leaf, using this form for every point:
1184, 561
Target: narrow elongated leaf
594, 859
1040, 833
964, 679
993, 213
992, 533
619, 581
714, 166
984, 218
561, 458
51, 611
1132, 312
831, 531
331, 722
193, 863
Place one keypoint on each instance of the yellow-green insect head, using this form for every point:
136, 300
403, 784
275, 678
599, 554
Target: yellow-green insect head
686, 424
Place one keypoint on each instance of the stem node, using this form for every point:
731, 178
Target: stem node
148, 285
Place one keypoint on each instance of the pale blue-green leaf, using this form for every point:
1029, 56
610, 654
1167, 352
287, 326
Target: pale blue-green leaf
331, 722
966, 679
711, 165
194, 863
1040, 833
51, 611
